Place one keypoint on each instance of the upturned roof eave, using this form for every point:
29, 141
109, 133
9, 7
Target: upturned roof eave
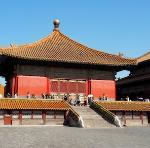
7, 52
72, 62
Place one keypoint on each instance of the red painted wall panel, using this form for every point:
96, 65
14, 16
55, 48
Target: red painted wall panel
48, 86
106, 87
58, 86
63, 86
81, 87
32, 84
88, 87
54, 86
72, 87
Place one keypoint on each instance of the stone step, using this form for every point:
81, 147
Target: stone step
96, 124
90, 118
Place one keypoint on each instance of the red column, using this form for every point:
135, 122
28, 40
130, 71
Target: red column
44, 116
54, 114
20, 116
16, 85
13, 86
32, 114
141, 117
124, 117
115, 90
132, 114
88, 87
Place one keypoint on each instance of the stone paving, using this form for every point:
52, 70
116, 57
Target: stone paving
67, 137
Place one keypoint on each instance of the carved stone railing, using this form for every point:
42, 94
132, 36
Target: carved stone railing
73, 119
106, 114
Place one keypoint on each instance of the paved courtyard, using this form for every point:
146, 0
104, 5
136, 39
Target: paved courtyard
67, 137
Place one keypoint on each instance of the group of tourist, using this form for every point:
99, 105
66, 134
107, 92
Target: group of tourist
79, 100
103, 98
43, 96
47, 96
137, 99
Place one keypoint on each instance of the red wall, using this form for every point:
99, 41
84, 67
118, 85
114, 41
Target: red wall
106, 87
32, 84
38, 85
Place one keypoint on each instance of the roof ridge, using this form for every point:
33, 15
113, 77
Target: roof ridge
143, 58
143, 55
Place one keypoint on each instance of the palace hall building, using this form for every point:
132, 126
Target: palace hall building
58, 65
137, 84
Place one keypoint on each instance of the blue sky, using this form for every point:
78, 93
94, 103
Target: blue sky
112, 26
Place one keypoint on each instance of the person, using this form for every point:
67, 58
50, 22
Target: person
85, 101
33, 96
140, 98
53, 97
127, 98
78, 100
148, 117
65, 97
16, 96
104, 98
100, 98
28, 95
72, 102
137, 98
43, 95
48, 96
90, 98
146, 100
121, 99
8, 95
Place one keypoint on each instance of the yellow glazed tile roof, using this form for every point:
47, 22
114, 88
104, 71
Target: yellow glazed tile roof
33, 104
59, 48
125, 106
144, 57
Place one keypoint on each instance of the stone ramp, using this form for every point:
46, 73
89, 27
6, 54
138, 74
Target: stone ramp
91, 119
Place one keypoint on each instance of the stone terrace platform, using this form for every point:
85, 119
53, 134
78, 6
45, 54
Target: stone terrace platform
130, 113
32, 112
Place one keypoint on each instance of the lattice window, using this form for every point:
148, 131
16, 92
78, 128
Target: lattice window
81, 87
26, 114
15, 114
64, 86
54, 86
72, 87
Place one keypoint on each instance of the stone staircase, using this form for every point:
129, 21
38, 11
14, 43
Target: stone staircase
91, 119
